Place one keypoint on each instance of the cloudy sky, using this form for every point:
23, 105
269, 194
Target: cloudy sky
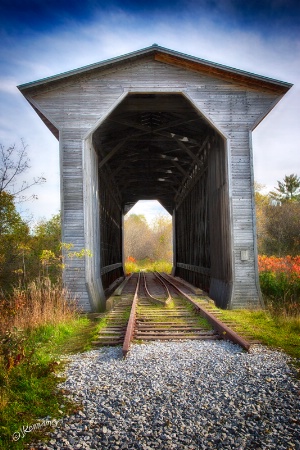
41, 38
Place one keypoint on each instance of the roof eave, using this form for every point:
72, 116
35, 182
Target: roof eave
155, 49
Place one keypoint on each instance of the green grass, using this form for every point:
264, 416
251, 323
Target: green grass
161, 317
202, 322
148, 266
278, 332
28, 389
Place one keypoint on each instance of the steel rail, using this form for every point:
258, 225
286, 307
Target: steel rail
157, 300
131, 322
224, 331
162, 282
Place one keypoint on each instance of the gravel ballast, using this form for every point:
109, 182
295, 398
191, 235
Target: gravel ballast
180, 395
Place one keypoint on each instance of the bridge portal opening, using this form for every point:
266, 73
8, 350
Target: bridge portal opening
148, 237
160, 146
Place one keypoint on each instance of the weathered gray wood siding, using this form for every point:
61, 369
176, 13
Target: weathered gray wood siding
72, 212
92, 226
77, 104
221, 273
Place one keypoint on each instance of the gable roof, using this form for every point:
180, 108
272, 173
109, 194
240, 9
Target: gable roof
172, 57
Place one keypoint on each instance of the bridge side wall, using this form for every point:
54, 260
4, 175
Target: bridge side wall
221, 274
192, 247
92, 227
77, 104
72, 211
111, 240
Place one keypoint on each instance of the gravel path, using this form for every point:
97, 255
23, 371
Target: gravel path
186, 395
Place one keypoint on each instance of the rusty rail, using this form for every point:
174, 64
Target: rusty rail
224, 331
131, 322
154, 299
162, 281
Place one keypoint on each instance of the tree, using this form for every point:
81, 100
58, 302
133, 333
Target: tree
288, 189
14, 237
14, 232
45, 239
282, 229
162, 238
14, 162
137, 237
143, 241
261, 203
278, 225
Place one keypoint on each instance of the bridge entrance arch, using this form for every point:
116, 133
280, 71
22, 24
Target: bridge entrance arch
160, 146
158, 124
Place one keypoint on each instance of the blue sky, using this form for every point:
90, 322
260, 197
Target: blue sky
40, 39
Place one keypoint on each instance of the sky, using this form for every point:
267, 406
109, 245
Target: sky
41, 38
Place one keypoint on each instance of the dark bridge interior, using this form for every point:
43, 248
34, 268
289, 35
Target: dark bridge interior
159, 146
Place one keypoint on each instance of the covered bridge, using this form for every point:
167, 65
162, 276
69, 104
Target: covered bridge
158, 124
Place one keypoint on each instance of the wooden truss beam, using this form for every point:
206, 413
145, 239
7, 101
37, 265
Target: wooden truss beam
112, 153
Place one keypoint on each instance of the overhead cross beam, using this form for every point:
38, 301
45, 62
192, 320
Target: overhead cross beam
156, 130
158, 151
187, 150
112, 153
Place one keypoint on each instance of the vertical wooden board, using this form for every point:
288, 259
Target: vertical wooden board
88, 97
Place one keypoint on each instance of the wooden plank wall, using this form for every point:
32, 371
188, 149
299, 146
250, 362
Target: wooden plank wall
219, 224
203, 237
72, 210
192, 231
76, 105
111, 233
92, 226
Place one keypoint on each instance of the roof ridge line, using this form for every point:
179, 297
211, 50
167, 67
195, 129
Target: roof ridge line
154, 48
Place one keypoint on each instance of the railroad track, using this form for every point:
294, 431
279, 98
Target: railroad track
153, 306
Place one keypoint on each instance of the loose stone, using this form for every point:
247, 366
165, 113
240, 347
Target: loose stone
180, 395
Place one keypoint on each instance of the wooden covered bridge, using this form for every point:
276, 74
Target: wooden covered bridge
158, 124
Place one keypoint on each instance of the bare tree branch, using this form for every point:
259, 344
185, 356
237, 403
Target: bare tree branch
14, 162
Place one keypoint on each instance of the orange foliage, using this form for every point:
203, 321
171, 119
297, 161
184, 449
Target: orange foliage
130, 259
280, 281
288, 265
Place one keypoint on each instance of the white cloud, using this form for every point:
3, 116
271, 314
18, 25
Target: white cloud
8, 85
275, 141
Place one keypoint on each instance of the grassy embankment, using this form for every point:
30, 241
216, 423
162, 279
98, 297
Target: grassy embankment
278, 325
36, 327
277, 331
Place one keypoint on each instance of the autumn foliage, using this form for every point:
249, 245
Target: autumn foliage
131, 259
280, 281
289, 265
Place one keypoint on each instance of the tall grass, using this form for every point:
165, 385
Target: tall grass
42, 302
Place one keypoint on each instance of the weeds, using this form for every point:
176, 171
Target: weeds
131, 265
40, 303
28, 388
